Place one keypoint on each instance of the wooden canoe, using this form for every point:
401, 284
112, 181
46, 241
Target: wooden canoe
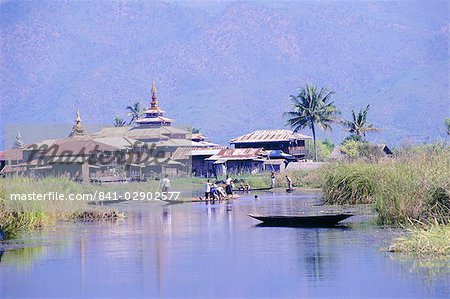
197, 199
325, 220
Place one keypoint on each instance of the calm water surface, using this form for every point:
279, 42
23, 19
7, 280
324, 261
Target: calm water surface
198, 250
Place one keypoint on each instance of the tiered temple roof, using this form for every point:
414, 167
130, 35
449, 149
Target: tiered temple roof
154, 116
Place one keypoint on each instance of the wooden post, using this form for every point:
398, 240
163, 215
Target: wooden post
85, 172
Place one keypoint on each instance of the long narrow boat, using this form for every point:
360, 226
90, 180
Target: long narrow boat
325, 220
197, 199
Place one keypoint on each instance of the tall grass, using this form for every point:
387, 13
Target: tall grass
413, 185
18, 216
433, 238
350, 183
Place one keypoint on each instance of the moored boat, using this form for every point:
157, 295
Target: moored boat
324, 220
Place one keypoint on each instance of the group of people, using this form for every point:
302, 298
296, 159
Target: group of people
244, 188
288, 180
215, 191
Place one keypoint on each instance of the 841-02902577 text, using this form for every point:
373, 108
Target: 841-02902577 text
138, 195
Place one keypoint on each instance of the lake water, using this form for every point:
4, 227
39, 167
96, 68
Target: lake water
198, 250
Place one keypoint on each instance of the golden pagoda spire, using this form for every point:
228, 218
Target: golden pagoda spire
78, 129
153, 88
78, 119
154, 103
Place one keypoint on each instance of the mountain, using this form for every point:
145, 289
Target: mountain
225, 67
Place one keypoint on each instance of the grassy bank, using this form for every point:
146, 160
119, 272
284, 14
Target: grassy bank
433, 238
17, 217
415, 185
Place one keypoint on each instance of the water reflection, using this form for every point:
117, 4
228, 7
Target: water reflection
208, 250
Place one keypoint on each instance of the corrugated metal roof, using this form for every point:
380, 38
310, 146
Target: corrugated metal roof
76, 146
13, 154
154, 119
140, 133
173, 143
12, 168
269, 136
185, 153
238, 154
206, 144
119, 142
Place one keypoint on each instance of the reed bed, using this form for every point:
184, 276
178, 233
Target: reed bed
19, 216
427, 239
412, 186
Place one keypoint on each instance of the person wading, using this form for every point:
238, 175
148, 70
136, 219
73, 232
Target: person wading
272, 180
207, 189
165, 184
289, 183
229, 186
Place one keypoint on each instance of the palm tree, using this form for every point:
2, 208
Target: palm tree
311, 108
134, 111
193, 130
119, 121
358, 125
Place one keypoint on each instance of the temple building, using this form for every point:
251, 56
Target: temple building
142, 150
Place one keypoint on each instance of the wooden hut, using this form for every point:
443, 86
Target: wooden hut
287, 141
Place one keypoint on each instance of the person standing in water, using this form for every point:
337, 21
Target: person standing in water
289, 183
229, 186
165, 184
272, 180
207, 189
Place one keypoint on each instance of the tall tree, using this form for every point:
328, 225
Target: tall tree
119, 121
135, 111
193, 130
358, 125
312, 108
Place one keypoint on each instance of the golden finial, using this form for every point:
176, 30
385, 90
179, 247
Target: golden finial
153, 88
78, 115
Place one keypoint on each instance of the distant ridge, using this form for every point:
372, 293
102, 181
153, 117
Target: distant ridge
227, 67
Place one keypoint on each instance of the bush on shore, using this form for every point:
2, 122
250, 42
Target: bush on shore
413, 185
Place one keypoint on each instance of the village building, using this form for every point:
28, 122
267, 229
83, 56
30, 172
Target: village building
11, 161
194, 159
288, 142
237, 160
